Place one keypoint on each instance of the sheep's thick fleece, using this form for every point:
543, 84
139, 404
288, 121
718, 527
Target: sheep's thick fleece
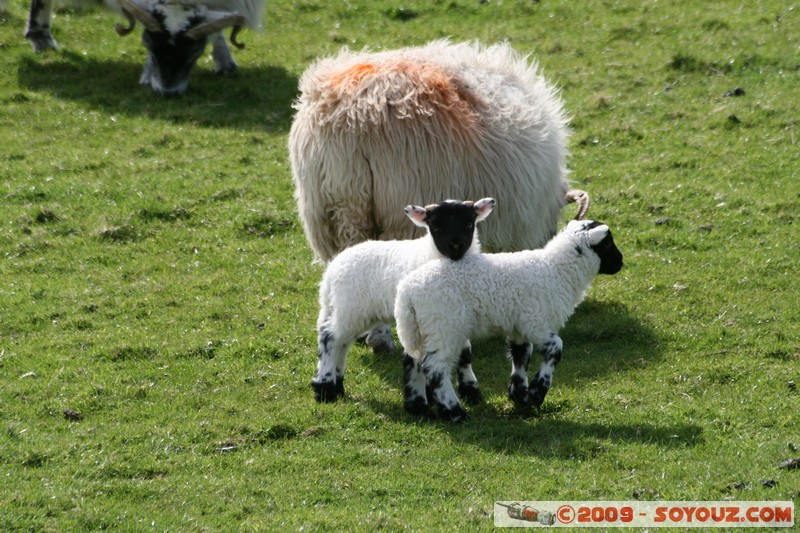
375, 131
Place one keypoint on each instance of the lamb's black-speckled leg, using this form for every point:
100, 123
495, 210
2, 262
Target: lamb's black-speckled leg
467, 382
414, 388
551, 351
520, 355
437, 368
380, 339
328, 381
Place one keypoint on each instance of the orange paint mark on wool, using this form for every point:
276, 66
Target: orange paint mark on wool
351, 77
439, 91
413, 89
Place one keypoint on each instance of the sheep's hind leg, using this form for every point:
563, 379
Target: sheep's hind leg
467, 382
414, 388
437, 373
551, 351
380, 339
328, 381
520, 355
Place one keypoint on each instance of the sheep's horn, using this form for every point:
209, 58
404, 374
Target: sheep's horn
581, 198
122, 30
132, 9
234, 32
218, 21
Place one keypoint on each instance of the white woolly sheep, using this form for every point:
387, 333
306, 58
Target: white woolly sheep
358, 287
527, 296
374, 131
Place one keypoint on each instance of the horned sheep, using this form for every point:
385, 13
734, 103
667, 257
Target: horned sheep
374, 131
526, 295
358, 287
175, 34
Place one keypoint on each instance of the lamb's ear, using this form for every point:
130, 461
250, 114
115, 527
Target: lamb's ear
597, 234
483, 207
417, 214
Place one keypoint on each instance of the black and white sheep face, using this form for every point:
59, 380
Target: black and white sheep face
451, 223
599, 239
169, 62
175, 37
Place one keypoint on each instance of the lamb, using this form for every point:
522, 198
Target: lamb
527, 296
358, 287
374, 131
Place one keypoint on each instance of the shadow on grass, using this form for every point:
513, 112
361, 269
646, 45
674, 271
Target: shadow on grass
601, 338
572, 440
508, 430
250, 98
539, 433
604, 337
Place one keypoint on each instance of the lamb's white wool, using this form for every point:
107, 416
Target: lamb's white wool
444, 120
358, 287
527, 296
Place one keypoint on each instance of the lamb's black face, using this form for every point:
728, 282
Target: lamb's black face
452, 226
607, 251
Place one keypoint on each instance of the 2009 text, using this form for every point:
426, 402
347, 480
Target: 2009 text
605, 514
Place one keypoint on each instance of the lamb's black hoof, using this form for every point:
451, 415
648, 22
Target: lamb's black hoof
328, 392
535, 397
517, 391
470, 393
418, 407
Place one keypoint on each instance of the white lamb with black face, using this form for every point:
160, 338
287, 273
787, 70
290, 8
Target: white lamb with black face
527, 296
358, 287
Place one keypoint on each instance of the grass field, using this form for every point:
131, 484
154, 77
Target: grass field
158, 298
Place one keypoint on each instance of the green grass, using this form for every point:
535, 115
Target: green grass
158, 298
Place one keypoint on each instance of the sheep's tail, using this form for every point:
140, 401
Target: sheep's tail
581, 198
407, 326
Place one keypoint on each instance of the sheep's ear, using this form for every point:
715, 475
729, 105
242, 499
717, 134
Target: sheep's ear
597, 234
483, 207
417, 214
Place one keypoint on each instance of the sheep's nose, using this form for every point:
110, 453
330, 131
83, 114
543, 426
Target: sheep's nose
456, 248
